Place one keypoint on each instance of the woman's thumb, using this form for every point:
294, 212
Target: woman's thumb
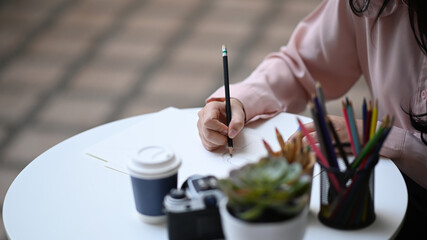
236, 124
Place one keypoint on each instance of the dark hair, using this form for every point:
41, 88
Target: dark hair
417, 122
418, 19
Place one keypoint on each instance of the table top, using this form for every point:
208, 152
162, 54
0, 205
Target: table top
66, 194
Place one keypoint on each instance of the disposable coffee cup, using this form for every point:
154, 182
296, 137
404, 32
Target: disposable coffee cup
154, 172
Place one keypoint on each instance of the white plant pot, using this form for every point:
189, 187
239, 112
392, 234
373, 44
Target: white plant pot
236, 229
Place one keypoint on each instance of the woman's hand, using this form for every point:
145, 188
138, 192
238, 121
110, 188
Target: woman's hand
339, 126
212, 123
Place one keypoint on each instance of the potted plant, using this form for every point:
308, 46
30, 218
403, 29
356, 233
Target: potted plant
268, 199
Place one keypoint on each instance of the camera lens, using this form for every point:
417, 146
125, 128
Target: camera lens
210, 201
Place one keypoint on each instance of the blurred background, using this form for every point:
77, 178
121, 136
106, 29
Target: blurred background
70, 65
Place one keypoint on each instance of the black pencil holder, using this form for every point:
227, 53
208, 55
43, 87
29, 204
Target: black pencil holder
352, 205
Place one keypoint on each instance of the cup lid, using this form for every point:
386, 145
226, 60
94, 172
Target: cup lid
153, 161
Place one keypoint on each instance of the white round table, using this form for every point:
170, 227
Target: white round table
65, 194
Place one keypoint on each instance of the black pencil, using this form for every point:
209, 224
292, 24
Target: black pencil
338, 143
227, 95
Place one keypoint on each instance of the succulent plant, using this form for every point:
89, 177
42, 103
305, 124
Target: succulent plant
267, 191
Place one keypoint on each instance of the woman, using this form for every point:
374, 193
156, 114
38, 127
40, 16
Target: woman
383, 40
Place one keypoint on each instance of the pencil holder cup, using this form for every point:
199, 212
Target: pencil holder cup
351, 205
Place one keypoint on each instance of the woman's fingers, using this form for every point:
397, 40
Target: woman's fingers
212, 130
310, 129
238, 118
212, 123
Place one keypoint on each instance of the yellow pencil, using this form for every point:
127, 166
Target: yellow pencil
280, 140
268, 148
374, 120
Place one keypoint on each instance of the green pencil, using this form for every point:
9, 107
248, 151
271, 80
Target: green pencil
371, 143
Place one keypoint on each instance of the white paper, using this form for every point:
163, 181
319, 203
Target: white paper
178, 130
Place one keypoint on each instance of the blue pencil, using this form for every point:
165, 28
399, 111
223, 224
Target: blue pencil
326, 137
353, 128
365, 116
320, 96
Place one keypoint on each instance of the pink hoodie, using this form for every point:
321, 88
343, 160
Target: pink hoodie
335, 47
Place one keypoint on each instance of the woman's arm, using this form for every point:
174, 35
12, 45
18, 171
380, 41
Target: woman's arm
322, 48
409, 154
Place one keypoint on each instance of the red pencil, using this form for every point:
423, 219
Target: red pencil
319, 155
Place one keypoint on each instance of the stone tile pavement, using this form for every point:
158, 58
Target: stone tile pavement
69, 65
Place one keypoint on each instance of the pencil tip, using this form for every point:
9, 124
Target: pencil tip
230, 150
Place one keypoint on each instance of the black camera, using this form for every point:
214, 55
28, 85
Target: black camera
192, 211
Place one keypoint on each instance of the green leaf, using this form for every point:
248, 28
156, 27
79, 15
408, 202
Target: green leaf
251, 213
271, 183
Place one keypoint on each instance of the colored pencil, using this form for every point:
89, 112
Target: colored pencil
337, 141
347, 124
268, 147
325, 137
374, 119
364, 116
319, 155
370, 145
321, 97
318, 129
371, 160
227, 96
367, 131
353, 128
280, 140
